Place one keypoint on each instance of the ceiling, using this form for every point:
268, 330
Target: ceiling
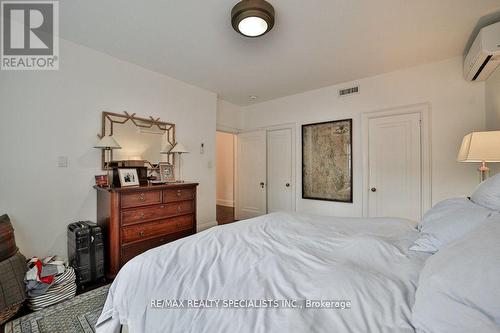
314, 43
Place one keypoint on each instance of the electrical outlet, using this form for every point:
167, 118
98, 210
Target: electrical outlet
202, 148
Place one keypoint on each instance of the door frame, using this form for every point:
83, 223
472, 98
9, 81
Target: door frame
293, 128
235, 132
425, 141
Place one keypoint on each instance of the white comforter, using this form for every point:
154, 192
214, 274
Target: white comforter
280, 256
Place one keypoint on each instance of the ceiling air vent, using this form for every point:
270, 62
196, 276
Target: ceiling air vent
348, 91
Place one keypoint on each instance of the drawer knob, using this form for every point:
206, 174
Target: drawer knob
178, 225
179, 209
178, 193
141, 215
141, 196
141, 234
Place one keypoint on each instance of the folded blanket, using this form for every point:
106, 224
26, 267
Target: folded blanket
11, 281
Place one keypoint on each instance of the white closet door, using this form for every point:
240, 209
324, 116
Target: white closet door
279, 170
395, 177
251, 175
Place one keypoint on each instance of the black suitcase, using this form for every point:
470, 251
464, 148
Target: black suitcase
86, 251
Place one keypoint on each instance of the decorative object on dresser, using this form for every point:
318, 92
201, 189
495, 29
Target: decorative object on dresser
136, 219
128, 177
327, 161
167, 174
142, 139
481, 147
179, 149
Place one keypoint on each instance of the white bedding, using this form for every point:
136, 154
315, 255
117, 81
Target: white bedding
281, 256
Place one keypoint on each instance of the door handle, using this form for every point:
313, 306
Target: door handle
373, 189
287, 184
262, 184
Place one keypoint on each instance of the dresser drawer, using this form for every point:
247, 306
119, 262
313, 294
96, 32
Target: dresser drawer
178, 194
137, 199
132, 250
139, 232
139, 215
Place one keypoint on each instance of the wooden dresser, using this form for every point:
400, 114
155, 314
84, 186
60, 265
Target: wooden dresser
136, 219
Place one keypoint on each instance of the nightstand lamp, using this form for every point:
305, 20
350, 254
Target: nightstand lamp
481, 147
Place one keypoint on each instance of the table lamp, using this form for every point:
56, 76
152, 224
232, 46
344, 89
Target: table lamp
481, 147
108, 143
179, 149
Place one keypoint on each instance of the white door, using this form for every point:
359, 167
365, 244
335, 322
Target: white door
395, 177
251, 175
279, 170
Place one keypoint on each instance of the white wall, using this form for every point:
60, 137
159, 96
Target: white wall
44, 115
225, 169
229, 116
458, 107
493, 101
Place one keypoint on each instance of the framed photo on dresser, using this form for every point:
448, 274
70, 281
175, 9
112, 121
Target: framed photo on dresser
128, 177
167, 173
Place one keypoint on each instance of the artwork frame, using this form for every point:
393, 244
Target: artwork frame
167, 172
128, 177
327, 163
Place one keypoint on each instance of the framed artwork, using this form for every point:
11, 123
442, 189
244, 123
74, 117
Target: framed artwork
167, 174
327, 161
101, 180
128, 177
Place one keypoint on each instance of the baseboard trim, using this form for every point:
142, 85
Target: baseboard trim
226, 203
206, 225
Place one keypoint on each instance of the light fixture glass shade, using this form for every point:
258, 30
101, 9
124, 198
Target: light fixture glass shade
480, 147
107, 142
252, 26
179, 149
252, 18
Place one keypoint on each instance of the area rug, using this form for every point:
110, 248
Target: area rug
77, 315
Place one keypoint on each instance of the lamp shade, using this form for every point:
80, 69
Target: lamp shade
107, 142
179, 149
166, 149
480, 147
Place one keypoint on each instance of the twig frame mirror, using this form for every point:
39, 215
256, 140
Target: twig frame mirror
159, 136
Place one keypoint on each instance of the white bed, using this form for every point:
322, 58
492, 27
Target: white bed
281, 256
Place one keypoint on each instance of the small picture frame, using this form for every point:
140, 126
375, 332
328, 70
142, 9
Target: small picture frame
101, 180
167, 174
128, 177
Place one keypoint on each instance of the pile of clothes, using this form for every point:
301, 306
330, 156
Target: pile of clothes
49, 281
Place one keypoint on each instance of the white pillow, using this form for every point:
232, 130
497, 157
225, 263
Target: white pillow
487, 194
458, 288
447, 221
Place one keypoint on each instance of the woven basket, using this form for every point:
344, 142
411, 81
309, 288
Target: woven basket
9, 313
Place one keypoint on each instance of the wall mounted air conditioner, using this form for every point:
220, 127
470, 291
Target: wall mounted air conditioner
484, 54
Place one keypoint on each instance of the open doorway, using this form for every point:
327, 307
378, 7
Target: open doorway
225, 175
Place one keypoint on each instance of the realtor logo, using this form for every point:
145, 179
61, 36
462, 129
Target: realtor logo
29, 35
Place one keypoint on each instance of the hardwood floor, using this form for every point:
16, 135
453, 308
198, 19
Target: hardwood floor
225, 214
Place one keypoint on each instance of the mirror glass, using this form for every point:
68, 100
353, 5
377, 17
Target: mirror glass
139, 138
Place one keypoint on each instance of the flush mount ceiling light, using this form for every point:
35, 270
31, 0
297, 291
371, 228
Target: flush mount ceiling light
252, 18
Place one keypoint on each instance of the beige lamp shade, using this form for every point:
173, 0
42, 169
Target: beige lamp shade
480, 147
179, 149
166, 149
107, 142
